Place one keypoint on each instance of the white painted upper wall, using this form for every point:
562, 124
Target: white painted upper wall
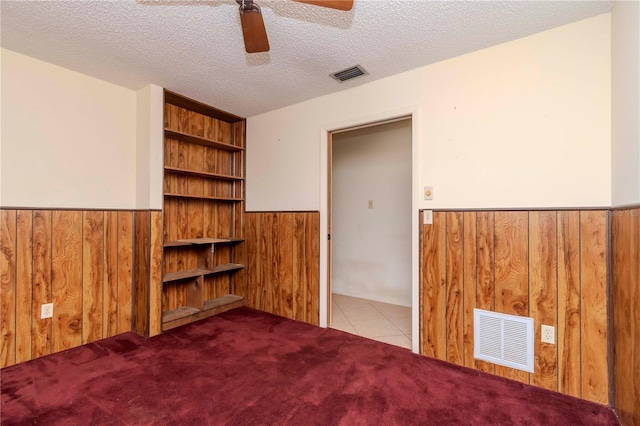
150, 146
68, 140
371, 244
625, 103
1, 60
523, 124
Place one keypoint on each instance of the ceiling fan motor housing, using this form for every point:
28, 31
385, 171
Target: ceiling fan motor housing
247, 6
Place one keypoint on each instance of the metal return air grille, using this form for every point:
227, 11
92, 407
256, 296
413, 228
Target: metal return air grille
349, 73
503, 339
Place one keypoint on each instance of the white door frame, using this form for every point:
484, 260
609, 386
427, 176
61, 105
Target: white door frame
324, 209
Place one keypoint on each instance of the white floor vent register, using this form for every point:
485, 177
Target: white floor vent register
503, 339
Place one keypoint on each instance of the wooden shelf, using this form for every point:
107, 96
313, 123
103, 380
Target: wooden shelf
186, 172
193, 273
185, 137
187, 314
203, 197
183, 275
177, 243
226, 267
201, 241
179, 313
231, 240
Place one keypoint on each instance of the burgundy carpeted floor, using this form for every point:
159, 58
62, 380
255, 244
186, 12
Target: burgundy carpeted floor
246, 367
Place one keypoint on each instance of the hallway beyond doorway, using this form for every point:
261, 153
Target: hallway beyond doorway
379, 321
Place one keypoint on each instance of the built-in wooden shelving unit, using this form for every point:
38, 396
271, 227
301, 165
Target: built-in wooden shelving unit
203, 211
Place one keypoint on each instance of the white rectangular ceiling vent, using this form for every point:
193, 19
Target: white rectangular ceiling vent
349, 73
503, 339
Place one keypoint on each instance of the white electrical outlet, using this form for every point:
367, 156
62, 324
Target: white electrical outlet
548, 334
46, 311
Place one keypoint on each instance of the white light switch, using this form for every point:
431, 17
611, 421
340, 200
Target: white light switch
370, 204
428, 217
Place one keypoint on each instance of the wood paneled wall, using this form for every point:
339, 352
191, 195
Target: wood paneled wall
283, 262
548, 265
82, 261
147, 277
625, 306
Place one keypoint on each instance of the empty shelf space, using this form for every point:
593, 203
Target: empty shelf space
193, 273
186, 314
221, 301
172, 134
178, 100
211, 175
203, 197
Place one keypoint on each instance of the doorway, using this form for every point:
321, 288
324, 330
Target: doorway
387, 280
370, 227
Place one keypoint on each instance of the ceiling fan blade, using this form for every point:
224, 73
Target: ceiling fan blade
333, 4
253, 30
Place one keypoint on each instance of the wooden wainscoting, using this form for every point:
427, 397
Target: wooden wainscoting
283, 261
548, 265
625, 306
82, 261
147, 277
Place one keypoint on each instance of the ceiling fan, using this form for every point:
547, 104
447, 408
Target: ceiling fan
253, 30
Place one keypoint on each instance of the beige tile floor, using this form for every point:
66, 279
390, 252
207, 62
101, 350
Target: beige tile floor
375, 320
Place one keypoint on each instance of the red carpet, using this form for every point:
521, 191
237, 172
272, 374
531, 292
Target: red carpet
246, 367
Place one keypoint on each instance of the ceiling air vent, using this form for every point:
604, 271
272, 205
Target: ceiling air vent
349, 73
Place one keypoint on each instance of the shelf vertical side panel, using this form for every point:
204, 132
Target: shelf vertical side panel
142, 228
195, 293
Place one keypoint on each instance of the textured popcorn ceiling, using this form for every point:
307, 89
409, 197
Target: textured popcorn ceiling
195, 47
